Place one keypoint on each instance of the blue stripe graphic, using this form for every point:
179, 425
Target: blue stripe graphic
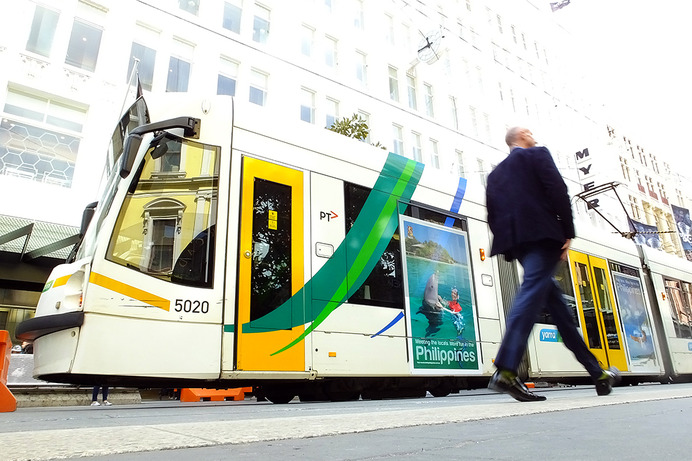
456, 203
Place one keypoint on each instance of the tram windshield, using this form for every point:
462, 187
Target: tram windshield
166, 225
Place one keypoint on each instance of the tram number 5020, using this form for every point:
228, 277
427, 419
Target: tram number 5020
194, 307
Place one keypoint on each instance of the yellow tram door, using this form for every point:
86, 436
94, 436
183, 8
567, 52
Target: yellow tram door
597, 309
270, 268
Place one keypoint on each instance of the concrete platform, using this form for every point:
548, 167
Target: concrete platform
46, 396
31, 392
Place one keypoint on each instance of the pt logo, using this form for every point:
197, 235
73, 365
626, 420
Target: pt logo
328, 215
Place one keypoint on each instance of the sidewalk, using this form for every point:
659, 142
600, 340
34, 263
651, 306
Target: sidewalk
158, 430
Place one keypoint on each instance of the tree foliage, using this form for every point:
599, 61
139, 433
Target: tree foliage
354, 127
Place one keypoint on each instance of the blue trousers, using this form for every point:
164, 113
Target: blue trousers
95, 393
540, 292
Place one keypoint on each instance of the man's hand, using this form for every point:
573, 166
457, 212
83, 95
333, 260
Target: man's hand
565, 250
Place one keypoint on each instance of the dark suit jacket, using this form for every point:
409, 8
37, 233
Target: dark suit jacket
527, 201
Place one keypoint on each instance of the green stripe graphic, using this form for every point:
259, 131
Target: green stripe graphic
347, 269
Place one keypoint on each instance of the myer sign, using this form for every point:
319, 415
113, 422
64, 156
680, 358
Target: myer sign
584, 164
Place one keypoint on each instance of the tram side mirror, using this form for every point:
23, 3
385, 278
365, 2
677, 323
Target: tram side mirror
130, 149
87, 215
160, 146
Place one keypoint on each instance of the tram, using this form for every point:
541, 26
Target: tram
229, 249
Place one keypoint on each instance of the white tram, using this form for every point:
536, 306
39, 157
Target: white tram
229, 249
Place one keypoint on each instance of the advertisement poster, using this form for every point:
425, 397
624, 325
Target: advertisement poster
646, 234
684, 225
440, 310
635, 322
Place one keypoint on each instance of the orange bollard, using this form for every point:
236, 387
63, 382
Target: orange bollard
215, 395
8, 402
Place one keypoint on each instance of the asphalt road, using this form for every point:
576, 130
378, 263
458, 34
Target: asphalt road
646, 421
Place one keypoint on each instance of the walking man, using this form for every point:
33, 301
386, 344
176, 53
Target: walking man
530, 216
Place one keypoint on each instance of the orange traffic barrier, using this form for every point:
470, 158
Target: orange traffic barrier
8, 402
215, 395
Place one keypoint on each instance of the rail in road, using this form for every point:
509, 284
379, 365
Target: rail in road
43, 434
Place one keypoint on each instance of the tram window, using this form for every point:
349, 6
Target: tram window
564, 281
271, 247
165, 227
679, 294
384, 286
606, 305
588, 305
425, 214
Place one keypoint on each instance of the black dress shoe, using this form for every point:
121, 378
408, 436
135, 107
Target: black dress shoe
513, 387
605, 385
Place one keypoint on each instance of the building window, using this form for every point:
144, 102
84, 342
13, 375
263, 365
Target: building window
366, 117
260, 28
434, 154
330, 51
416, 148
179, 67
332, 112
389, 29
429, 109
358, 15
178, 75
191, 6
28, 118
83, 49
454, 112
393, 84
42, 31
361, 68
625, 169
411, 86
307, 40
145, 68
231, 17
460, 163
398, 132
307, 105
486, 127
482, 173
635, 208
474, 121
258, 87
226, 82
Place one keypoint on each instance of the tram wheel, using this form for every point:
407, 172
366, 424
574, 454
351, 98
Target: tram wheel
279, 397
440, 391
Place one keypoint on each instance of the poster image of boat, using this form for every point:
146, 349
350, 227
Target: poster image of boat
440, 309
636, 325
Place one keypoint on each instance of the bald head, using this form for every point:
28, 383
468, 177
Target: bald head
519, 137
